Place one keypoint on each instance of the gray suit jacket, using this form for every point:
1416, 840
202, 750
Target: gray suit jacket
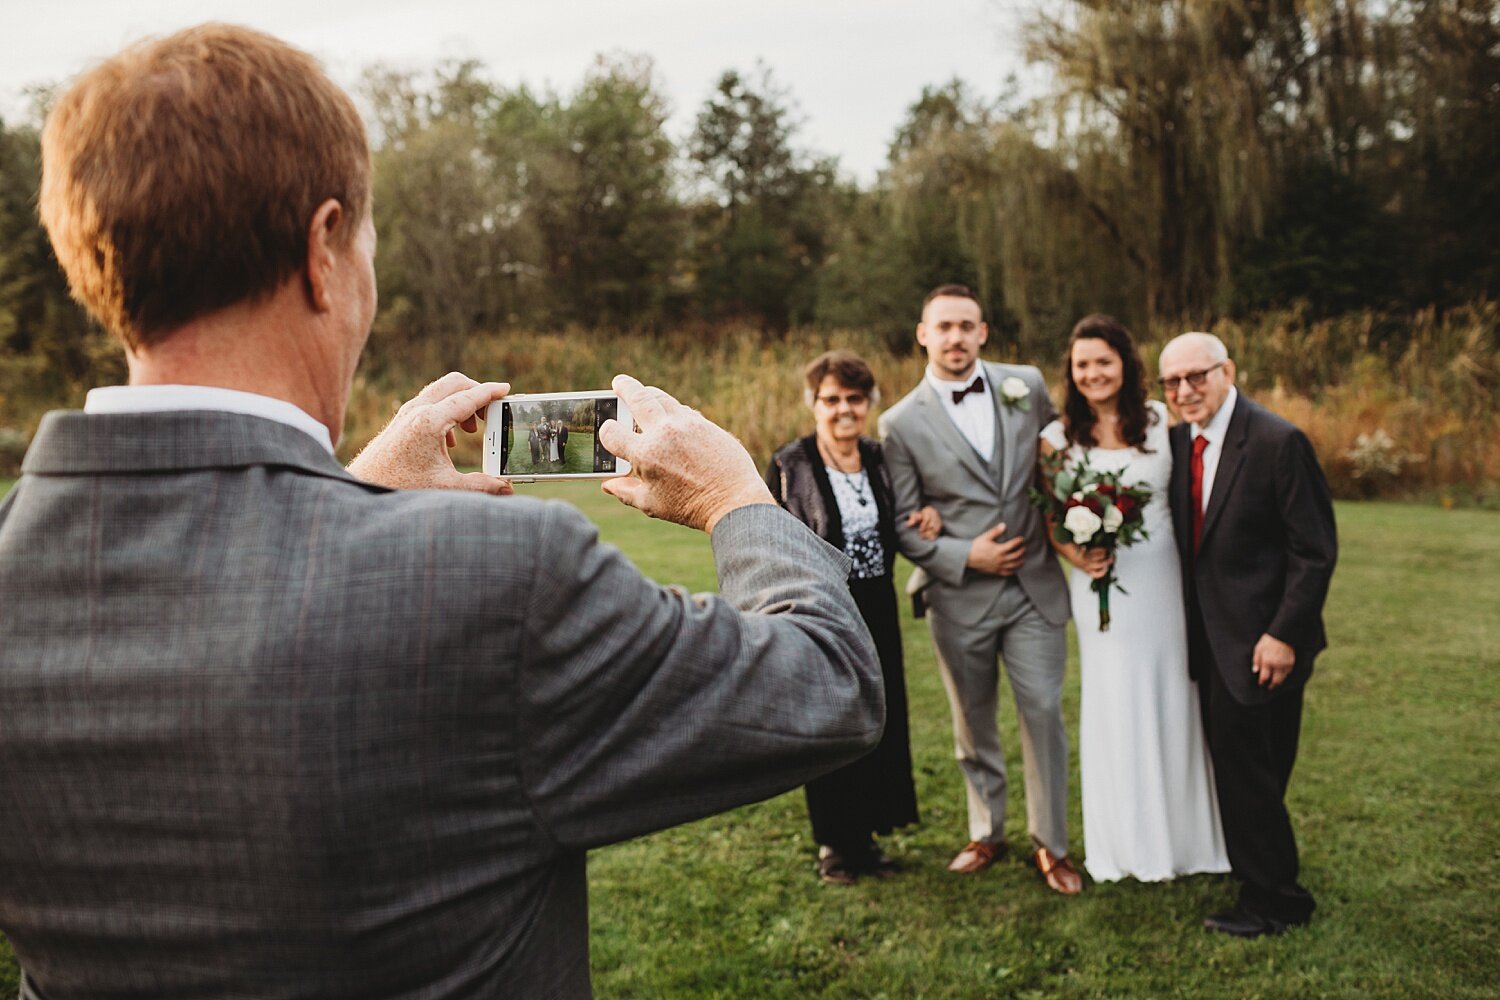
266, 730
931, 462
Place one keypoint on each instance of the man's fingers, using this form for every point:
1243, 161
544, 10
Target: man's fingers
463, 403
443, 387
994, 533
618, 441
647, 403
478, 482
627, 489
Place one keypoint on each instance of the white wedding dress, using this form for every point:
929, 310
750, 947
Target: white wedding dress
1149, 810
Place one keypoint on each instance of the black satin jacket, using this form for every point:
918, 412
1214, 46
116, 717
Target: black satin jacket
800, 484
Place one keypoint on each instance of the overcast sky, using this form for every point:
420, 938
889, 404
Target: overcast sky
852, 66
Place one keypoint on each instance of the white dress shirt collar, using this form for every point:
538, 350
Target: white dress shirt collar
1218, 424
163, 398
1215, 433
974, 415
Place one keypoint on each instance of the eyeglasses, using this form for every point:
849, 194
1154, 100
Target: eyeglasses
853, 399
1194, 379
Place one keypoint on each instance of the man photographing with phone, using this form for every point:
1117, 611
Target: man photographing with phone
269, 728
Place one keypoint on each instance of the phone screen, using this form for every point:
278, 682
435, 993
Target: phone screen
550, 437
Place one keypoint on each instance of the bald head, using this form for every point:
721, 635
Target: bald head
1212, 347
1197, 374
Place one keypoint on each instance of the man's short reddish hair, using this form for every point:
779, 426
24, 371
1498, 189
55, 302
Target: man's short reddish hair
180, 176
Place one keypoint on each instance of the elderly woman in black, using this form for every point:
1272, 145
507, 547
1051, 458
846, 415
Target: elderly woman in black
835, 481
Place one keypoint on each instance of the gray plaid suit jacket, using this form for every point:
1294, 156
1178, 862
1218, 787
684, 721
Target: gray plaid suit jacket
266, 730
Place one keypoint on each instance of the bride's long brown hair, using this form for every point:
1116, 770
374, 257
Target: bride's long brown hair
1078, 417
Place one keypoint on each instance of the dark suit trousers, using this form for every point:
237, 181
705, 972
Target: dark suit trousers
1253, 748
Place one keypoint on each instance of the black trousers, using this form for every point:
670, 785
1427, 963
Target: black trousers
1253, 748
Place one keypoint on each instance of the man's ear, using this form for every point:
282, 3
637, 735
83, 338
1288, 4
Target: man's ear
922, 334
322, 259
984, 333
1229, 370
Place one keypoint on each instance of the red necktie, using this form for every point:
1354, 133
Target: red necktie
1195, 469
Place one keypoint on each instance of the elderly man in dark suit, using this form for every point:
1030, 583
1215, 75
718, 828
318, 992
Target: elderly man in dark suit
1256, 536
269, 728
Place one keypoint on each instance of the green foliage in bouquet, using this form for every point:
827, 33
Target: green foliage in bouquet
1093, 509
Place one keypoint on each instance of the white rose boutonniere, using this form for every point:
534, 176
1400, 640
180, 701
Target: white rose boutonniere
1014, 394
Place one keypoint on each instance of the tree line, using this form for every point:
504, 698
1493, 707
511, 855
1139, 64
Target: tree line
1184, 160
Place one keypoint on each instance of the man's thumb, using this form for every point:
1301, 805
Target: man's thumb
994, 533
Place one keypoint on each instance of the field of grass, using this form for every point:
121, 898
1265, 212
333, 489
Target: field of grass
1394, 798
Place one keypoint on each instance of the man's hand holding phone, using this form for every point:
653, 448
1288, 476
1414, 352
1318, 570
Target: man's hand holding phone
684, 468
411, 453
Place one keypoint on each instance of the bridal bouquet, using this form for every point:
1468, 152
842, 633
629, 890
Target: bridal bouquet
1091, 509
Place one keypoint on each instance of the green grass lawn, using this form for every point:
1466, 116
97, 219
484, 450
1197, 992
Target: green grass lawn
1394, 799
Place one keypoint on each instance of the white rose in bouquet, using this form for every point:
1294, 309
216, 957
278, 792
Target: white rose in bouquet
1113, 519
1083, 523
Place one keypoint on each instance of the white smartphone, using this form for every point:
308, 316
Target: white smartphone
553, 435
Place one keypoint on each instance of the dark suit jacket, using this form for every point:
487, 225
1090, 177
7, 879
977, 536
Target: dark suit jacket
799, 482
266, 730
1268, 547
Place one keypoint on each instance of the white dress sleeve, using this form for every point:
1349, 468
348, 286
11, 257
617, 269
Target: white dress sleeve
1054, 435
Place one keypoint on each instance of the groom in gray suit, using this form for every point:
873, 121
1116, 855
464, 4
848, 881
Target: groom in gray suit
271, 728
965, 441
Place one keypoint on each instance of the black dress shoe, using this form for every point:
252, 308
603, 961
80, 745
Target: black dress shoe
1243, 923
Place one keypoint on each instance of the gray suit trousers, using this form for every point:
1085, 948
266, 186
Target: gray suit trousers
1035, 652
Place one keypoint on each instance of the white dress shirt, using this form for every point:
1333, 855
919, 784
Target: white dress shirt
975, 416
1218, 427
163, 398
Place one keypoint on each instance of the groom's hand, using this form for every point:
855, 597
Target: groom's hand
987, 554
1272, 661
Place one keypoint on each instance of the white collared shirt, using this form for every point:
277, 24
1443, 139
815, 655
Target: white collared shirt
163, 398
975, 416
1218, 427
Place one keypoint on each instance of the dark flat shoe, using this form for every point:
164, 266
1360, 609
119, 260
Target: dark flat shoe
882, 865
1242, 923
834, 869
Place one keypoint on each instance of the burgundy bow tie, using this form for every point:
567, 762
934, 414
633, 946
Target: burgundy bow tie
975, 386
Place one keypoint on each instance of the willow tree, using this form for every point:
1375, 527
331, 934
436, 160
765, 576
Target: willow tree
971, 195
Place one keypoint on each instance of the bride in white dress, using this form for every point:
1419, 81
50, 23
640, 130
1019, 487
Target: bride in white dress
1149, 809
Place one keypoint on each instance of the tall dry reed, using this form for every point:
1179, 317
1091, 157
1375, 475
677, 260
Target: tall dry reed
1407, 407
1424, 396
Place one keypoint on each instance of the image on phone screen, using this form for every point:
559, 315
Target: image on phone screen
553, 437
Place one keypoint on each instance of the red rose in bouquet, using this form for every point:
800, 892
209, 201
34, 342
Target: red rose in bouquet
1092, 509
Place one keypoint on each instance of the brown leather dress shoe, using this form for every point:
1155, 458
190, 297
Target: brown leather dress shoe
1058, 873
978, 856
